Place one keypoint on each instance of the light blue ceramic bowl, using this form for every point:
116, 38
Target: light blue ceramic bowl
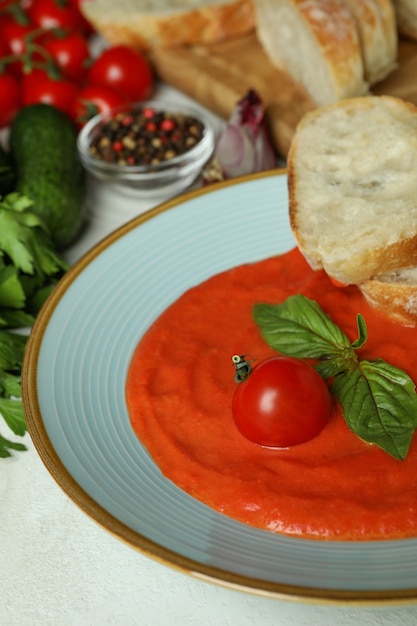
74, 396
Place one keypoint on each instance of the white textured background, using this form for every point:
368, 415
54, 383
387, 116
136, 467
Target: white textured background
60, 568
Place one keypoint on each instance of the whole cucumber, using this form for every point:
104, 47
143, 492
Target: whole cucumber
7, 173
49, 172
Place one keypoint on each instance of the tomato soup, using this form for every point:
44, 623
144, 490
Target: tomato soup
179, 391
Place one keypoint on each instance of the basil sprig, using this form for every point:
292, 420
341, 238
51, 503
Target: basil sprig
379, 401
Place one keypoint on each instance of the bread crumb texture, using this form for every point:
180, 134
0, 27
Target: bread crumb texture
353, 187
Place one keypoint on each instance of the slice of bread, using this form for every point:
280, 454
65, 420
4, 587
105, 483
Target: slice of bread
394, 294
406, 11
353, 187
377, 28
316, 42
145, 24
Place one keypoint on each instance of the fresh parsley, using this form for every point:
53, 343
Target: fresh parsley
29, 269
379, 400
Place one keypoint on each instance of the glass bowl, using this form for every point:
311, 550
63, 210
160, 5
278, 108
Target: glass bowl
164, 179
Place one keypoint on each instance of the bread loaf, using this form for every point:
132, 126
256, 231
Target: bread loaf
145, 24
316, 41
406, 11
394, 294
353, 187
377, 28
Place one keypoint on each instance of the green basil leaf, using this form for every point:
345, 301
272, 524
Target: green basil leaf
379, 404
343, 362
379, 401
362, 333
299, 327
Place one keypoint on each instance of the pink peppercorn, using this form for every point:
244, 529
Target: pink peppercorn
148, 113
167, 124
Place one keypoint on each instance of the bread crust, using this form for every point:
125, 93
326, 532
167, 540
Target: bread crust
145, 29
377, 28
406, 11
394, 295
363, 221
328, 28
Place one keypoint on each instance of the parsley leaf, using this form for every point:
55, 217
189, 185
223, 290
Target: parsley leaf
29, 270
12, 348
6, 446
24, 238
379, 401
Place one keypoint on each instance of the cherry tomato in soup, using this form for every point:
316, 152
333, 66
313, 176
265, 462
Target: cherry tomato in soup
92, 100
71, 54
282, 403
10, 100
125, 70
39, 87
55, 14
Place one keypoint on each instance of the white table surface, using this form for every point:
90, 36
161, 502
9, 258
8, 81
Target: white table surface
58, 567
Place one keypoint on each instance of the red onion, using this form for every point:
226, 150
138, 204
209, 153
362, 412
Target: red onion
244, 146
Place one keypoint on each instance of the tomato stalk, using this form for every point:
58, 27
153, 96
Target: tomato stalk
32, 48
15, 11
62, 4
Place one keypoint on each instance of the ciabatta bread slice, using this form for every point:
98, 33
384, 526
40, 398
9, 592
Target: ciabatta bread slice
146, 24
406, 11
394, 294
377, 28
316, 42
352, 181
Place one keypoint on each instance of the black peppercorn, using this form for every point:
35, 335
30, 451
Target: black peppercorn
146, 136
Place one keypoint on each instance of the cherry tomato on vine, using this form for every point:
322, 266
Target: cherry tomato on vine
10, 100
9, 8
13, 37
125, 70
5, 3
283, 402
4, 50
94, 99
70, 53
39, 87
86, 27
55, 14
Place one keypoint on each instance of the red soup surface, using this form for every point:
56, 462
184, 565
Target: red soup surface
179, 391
